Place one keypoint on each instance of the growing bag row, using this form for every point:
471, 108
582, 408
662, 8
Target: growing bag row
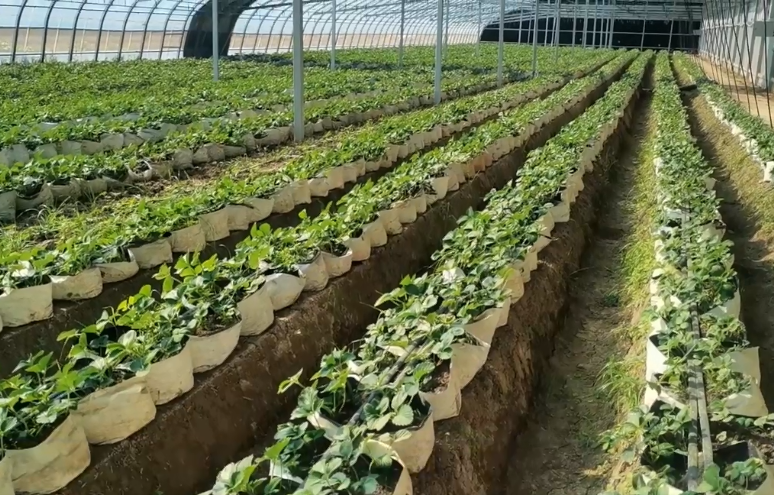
693, 286
441, 325
206, 305
31, 293
53, 175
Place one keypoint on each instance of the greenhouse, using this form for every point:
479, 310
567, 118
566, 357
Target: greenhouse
386, 247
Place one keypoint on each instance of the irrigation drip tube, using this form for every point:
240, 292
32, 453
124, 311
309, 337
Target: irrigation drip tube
699, 452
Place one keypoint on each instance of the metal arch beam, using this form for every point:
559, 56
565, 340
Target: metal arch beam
75, 29
318, 28
187, 28
419, 27
145, 30
166, 26
374, 19
257, 31
362, 23
376, 14
305, 16
283, 27
319, 16
349, 15
16, 30
244, 32
357, 14
309, 13
99, 33
391, 26
422, 27
428, 24
45, 31
393, 22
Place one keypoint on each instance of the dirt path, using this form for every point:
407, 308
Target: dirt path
748, 211
753, 100
558, 453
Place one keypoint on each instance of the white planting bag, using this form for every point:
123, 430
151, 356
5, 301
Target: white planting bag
360, 247
283, 289
390, 220
212, 350
467, 360
415, 450
301, 192
215, 225
6, 483
446, 403
113, 414
85, 285
407, 212
283, 200
263, 207
22, 306
337, 266
314, 274
170, 377
256, 311
118, 271
484, 327
152, 254
241, 217
53, 463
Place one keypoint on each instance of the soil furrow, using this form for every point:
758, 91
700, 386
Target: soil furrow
558, 452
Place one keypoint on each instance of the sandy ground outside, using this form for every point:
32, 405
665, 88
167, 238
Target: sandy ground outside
753, 99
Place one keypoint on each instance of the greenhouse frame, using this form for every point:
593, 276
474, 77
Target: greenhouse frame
68, 30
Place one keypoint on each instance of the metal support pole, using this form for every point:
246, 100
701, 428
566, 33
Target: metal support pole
644, 22
671, 26
612, 26
438, 54
534, 41
298, 70
545, 30
585, 23
557, 20
478, 39
402, 30
574, 20
608, 21
446, 36
605, 23
521, 21
215, 33
333, 34
596, 19
501, 40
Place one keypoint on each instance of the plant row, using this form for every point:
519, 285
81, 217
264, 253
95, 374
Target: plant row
116, 159
92, 253
366, 419
182, 91
755, 136
71, 169
695, 328
134, 110
58, 123
144, 352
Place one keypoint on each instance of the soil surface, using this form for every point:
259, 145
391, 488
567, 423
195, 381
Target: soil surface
748, 210
558, 453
